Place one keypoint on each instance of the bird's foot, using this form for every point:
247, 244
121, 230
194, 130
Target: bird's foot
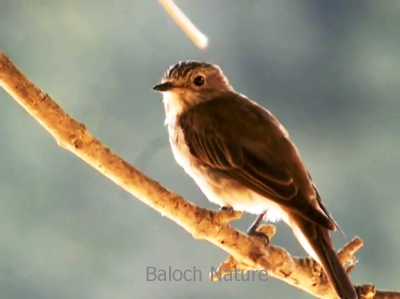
227, 209
260, 235
227, 214
253, 229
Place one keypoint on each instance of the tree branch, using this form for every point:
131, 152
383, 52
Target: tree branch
246, 252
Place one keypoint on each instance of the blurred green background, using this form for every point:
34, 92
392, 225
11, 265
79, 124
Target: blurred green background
329, 70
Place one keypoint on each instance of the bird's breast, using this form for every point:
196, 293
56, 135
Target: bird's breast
179, 148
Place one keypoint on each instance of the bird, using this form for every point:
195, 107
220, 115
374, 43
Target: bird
242, 158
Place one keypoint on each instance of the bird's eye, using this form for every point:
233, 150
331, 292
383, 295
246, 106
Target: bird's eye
198, 81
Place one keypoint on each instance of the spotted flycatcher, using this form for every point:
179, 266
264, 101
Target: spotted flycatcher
242, 158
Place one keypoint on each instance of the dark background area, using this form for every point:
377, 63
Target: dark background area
329, 70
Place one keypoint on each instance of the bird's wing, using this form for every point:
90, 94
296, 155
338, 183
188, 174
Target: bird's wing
246, 143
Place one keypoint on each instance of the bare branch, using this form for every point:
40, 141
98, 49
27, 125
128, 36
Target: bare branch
187, 26
246, 252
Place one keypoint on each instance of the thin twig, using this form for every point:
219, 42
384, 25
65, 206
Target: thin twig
199, 39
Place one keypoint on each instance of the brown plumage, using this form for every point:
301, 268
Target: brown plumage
242, 157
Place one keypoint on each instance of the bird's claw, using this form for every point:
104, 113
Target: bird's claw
226, 209
259, 234
227, 214
254, 228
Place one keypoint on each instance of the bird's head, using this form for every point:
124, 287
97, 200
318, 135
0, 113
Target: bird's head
189, 83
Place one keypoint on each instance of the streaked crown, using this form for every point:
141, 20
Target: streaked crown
183, 68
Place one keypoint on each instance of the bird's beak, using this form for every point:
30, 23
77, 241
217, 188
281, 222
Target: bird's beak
163, 87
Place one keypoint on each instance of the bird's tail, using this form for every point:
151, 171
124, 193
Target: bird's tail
317, 242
